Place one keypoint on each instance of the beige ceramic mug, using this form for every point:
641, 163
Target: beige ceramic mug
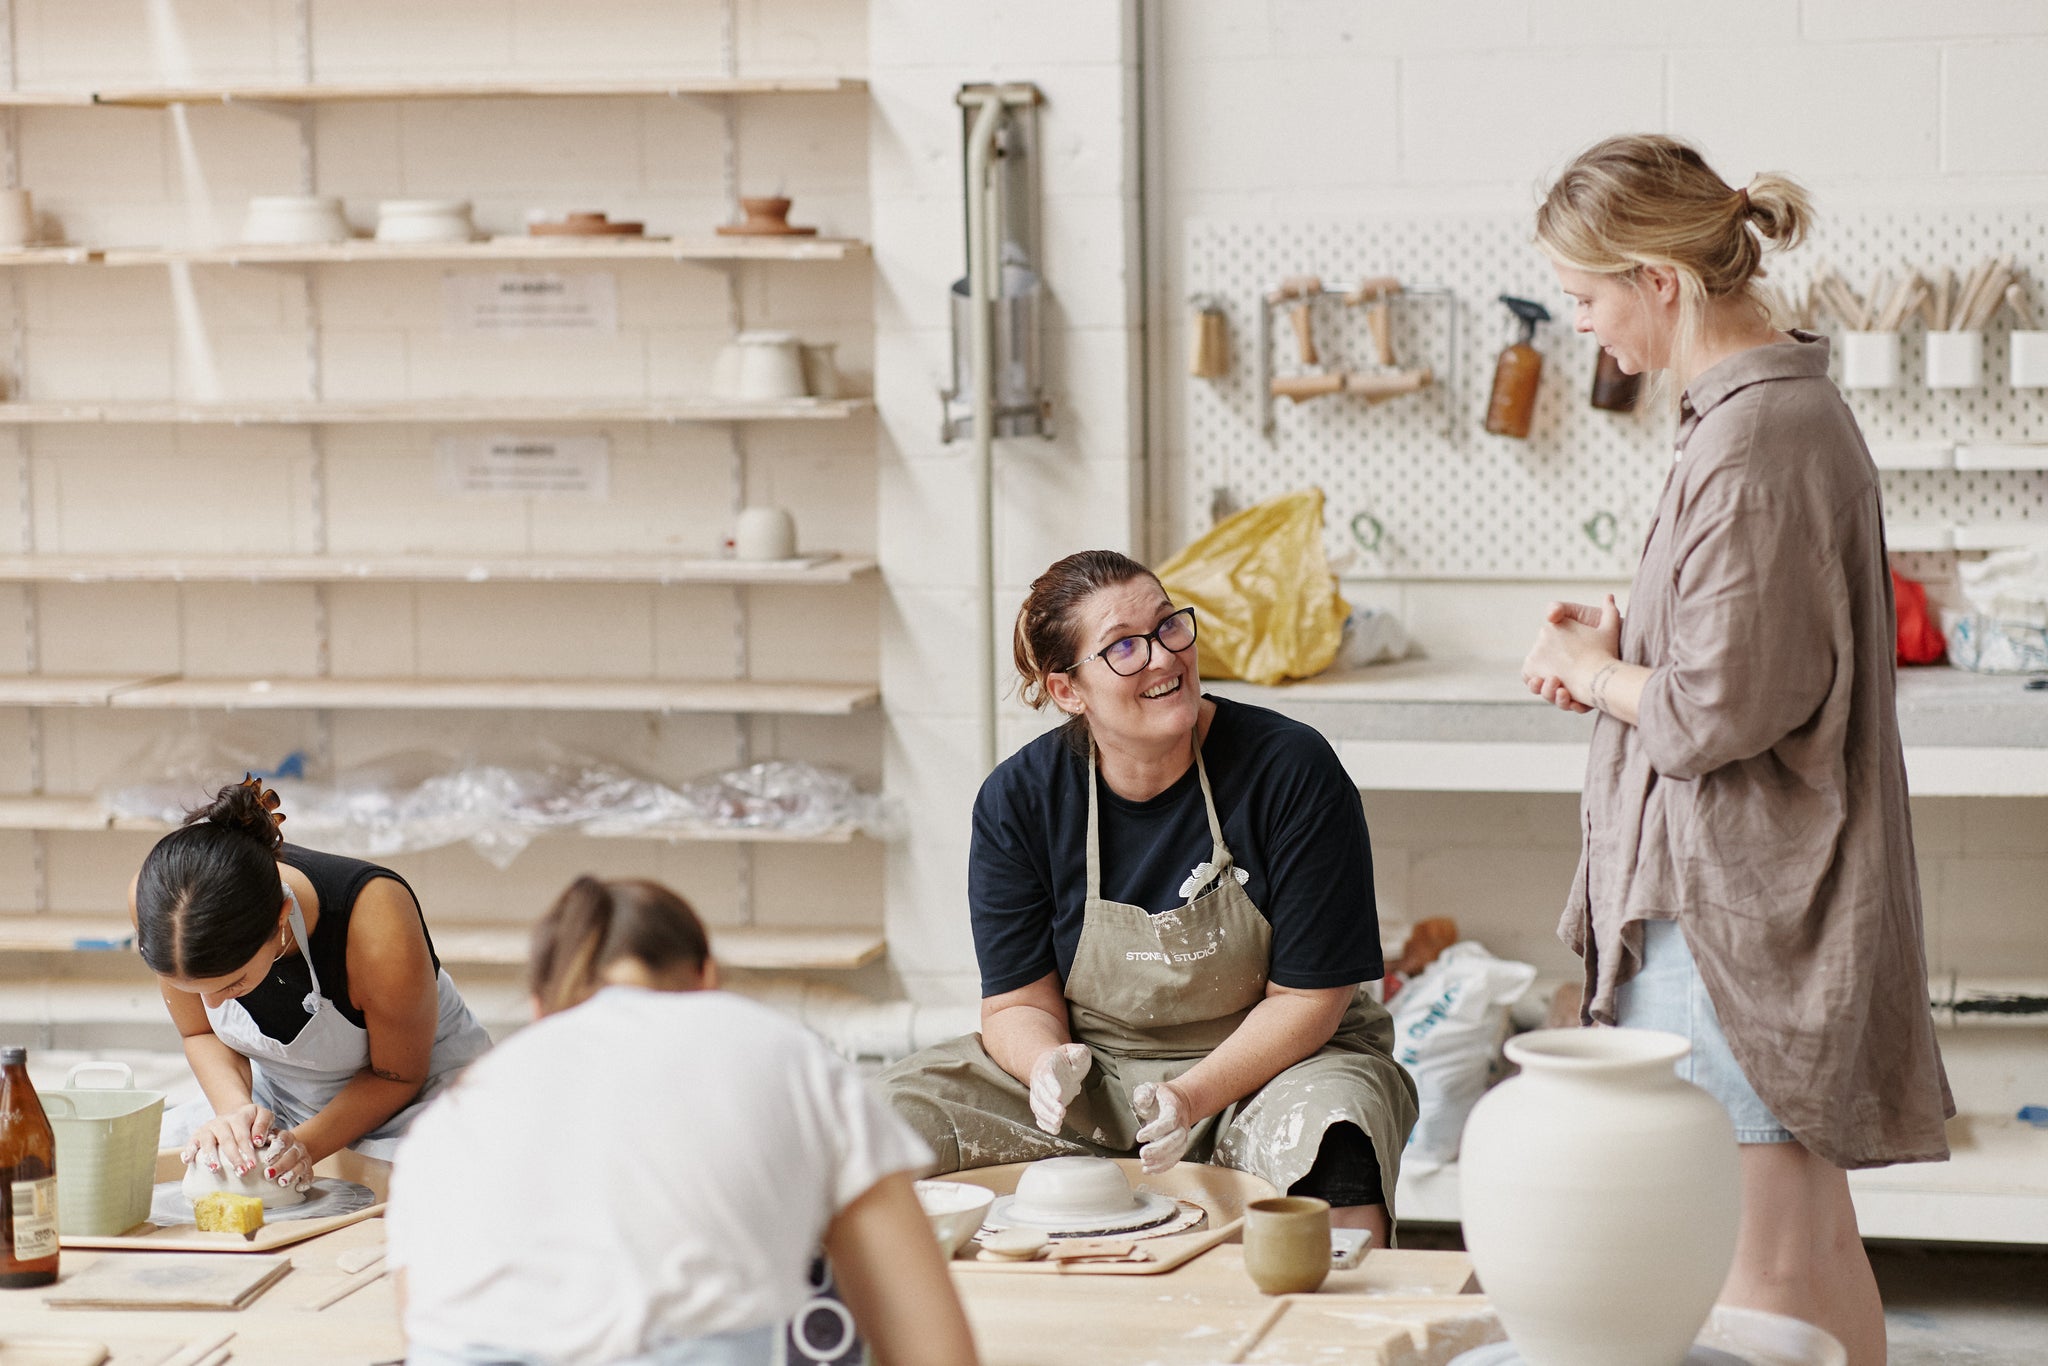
765, 533
17, 218
1287, 1243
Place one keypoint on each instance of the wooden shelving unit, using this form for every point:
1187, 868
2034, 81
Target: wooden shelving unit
708, 249
85, 814
342, 92
172, 693
313, 413
757, 948
809, 571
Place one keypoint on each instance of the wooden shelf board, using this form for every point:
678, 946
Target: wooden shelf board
61, 255
646, 569
86, 814
340, 92
751, 947
60, 690
301, 413
468, 694
495, 249
26, 932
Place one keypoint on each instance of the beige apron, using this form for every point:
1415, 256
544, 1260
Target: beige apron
1150, 995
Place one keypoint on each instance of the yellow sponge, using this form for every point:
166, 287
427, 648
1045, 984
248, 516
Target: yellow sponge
224, 1213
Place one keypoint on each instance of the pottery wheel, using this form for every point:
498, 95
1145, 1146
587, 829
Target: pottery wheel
168, 1207
1153, 1215
1504, 1354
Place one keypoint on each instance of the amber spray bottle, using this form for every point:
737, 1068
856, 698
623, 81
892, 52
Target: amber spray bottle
1516, 374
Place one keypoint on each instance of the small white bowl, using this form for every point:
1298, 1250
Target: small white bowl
424, 220
955, 1210
294, 220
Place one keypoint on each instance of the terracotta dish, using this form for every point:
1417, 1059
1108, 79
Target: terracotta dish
765, 218
586, 225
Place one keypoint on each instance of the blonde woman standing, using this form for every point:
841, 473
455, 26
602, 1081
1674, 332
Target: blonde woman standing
1747, 878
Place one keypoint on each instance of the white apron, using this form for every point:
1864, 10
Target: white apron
296, 1080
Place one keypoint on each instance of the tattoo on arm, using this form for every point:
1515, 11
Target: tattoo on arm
1598, 687
389, 1075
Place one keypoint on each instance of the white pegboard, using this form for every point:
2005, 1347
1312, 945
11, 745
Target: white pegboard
1574, 499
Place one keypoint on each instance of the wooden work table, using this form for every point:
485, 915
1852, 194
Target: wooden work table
1397, 1309
279, 1326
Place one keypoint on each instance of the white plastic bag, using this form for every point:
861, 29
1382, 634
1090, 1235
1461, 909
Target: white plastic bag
1447, 1023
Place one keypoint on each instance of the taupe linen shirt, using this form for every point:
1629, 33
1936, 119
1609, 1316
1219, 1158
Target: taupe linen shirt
1760, 800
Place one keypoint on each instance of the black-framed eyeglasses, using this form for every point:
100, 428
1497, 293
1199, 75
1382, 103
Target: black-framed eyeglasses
1131, 654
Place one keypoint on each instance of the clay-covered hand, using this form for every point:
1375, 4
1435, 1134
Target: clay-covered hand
229, 1141
1167, 1117
286, 1160
1055, 1080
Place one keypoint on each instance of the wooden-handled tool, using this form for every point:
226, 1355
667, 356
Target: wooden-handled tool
2016, 300
1300, 387
1374, 294
1376, 387
1303, 289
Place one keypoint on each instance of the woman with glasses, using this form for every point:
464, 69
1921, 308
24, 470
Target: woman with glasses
1173, 915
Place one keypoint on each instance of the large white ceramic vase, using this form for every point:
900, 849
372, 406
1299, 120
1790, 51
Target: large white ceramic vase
1600, 1196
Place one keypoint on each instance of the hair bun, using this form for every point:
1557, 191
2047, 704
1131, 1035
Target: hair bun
249, 807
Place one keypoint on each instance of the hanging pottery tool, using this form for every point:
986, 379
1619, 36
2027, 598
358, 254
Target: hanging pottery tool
1303, 289
1517, 373
1209, 338
1375, 294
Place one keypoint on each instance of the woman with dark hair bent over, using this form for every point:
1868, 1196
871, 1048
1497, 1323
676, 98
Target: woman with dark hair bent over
311, 1003
1173, 914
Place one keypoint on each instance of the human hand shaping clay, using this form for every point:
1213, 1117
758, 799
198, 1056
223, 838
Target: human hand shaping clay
229, 1141
1168, 1117
1055, 1080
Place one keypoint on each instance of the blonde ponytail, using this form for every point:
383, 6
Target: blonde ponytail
1649, 200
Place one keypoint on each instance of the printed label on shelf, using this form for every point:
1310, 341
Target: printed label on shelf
497, 466
531, 303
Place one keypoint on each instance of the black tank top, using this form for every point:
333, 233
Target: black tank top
277, 1005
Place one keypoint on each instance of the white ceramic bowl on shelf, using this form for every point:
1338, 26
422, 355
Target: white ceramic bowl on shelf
424, 220
294, 220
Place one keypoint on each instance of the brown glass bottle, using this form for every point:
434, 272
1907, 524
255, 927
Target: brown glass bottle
1613, 389
28, 1179
1517, 374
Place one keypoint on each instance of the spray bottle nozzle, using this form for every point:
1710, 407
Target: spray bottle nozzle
1529, 311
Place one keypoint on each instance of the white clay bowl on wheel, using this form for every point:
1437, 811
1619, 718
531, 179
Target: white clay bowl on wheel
1079, 1195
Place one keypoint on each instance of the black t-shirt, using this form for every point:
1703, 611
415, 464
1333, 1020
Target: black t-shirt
277, 1004
1291, 817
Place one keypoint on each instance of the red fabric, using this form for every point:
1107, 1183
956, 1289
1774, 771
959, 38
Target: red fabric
1920, 639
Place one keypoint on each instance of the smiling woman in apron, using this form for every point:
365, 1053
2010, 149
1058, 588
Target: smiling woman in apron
1173, 915
308, 994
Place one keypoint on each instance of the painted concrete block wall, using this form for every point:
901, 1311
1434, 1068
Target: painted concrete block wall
1079, 489
116, 177
1334, 108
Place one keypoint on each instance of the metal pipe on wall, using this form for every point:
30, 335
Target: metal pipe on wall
982, 281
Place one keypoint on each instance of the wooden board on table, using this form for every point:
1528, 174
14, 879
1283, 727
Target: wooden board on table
148, 1237
134, 1281
20, 1350
1394, 1331
1220, 1191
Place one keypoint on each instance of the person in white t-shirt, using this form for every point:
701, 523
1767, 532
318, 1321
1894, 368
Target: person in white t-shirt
646, 1173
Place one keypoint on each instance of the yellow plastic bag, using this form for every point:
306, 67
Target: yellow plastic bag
1264, 597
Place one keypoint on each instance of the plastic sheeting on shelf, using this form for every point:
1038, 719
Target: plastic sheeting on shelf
422, 800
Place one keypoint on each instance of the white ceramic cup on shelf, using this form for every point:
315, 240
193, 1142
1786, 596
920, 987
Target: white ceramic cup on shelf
2029, 359
764, 533
1955, 360
17, 218
1870, 360
294, 220
424, 220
